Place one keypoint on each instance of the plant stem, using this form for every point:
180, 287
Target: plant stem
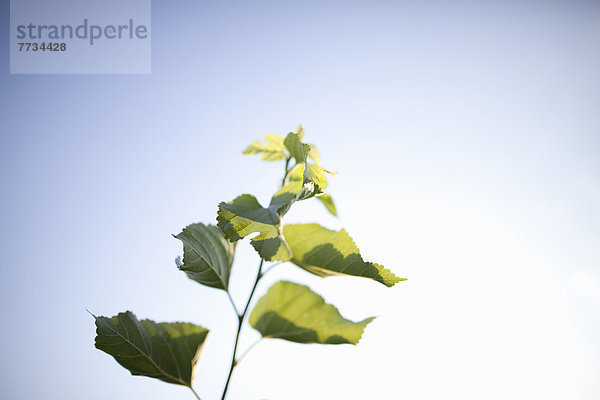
195, 394
232, 303
241, 316
287, 164
239, 328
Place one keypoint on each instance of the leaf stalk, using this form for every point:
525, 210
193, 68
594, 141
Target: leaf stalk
195, 394
285, 174
232, 303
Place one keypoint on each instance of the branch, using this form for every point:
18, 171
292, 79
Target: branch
239, 328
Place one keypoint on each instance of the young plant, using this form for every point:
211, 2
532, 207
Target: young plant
288, 310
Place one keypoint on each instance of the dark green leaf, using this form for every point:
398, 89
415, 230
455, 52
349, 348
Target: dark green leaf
207, 255
165, 351
325, 252
294, 312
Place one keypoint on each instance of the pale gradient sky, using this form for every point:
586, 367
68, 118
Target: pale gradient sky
466, 137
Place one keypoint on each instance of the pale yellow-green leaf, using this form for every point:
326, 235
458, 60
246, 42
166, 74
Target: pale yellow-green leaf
300, 132
307, 172
273, 150
328, 203
314, 155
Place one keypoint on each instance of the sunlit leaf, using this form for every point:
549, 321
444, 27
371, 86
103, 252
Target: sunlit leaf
273, 150
307, 172
315, 174
328, 203
207, 255
314, 155
297, 149
291, 192
300, 132
243, 216
165, 351
294, 312
325, 252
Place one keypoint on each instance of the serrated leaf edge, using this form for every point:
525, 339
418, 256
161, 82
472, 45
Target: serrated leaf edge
149, 357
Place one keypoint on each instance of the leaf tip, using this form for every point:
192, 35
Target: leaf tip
391, 279
366, 323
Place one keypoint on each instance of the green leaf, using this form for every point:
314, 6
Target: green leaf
283, 199
312, 174
165, 351
294, 312
297, 149
244, 215
314, 154
273, 150
307, 172
297, 176
325, 252
328, 203
207, 255
300, 131
298, 187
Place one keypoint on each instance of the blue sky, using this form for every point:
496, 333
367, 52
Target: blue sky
466, 137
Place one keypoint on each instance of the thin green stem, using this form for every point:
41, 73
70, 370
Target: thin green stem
195, 394
258, 276
287, 164
241, 316
239, 328
232, 303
